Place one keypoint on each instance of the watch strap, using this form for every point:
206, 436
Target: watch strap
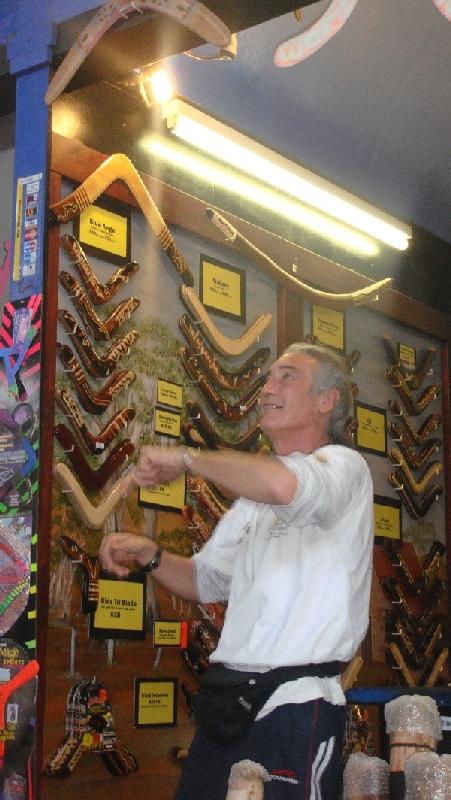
154, 563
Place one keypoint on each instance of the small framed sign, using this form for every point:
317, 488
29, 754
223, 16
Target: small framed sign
155, 702
371, 435
169, 394
104, 230
121, 609
223, 288
164, 496
170, 633
167, 423
387, 518
328, 327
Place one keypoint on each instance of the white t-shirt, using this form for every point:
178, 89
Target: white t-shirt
296, 578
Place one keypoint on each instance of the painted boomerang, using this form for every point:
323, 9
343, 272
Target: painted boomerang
223, 344
98, 328
414, 406
415, 509
230, 379
212, 438
91, 569
96, 443
417, 486
92, 516
304, 44
190, 13
419, 436
94, 402
98, 293
119, 167
98, 366
396, 596
338, 301
413, 379
234, 412
90, 478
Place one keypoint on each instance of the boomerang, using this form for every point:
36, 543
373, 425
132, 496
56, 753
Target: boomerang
336, 301
95, 443
230, 379
92, 516
98, 293
227, 347
413, 406
414, 509
210, 435
94, 402
91, 570
413, 378
98, 328
119, 167
429, 566
90, 478
417, 486
397, 598
424, 431
234, 412
190, 13
98, 366
304, 44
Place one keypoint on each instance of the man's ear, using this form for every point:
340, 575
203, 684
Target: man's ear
329, 399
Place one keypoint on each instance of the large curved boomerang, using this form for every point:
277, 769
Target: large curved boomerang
304, 44
190, 13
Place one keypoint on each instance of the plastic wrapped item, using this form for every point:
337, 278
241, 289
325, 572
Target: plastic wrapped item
246, 781
365, 778
428, 775
413, 724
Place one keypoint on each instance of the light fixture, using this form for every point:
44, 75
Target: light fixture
155, 85
266, 166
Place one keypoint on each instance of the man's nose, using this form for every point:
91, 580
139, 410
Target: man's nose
268, 386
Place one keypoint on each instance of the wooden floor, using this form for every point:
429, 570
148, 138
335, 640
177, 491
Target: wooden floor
159, 770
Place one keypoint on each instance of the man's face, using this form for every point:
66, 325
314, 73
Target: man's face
286, 400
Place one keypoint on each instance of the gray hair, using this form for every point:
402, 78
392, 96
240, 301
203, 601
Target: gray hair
331, 374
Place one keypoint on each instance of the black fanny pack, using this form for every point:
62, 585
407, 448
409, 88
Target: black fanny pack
228, 700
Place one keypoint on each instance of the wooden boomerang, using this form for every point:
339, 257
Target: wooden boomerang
234, 412
400, 434
94, 402
95, 443
413, 406
430, 563
190, 13
227, 347
337, 301
415, 509
98, 293
417, 486
413, 379
230, 379
91, 567
396, 596
425, 643
212, 438
304, 44
90, 478
92, 516
98, 366
404, 425
119, 167
206, 497
98, 328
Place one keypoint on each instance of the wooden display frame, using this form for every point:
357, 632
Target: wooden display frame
73, 161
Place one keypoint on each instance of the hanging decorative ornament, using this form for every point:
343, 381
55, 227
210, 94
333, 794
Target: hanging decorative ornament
304, 44
444, 6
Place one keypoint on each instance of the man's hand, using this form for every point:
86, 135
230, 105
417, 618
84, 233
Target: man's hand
158, 465
119, 552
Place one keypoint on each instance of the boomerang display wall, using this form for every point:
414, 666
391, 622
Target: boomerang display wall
138, 359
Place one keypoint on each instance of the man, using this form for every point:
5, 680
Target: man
292, 558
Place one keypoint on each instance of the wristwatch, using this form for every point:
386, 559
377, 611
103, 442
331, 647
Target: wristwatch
154, 563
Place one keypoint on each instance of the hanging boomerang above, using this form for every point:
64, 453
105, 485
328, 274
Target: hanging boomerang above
190, 13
